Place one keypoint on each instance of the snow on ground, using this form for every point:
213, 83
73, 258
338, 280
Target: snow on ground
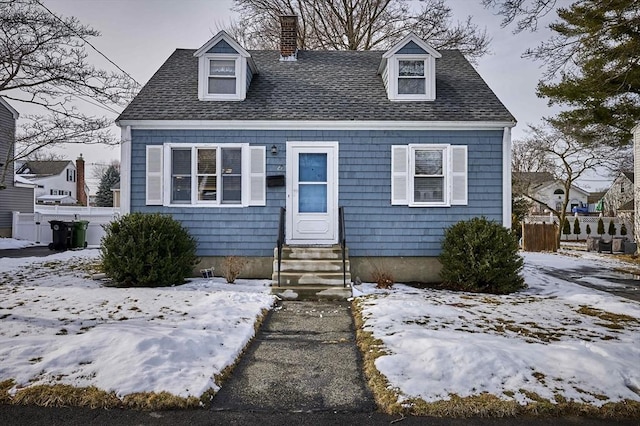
60, 326
556, 339
12, 243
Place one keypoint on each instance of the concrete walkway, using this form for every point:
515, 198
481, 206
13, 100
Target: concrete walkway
303, 359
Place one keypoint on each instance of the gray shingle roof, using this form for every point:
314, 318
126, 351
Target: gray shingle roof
43, 168
321, 85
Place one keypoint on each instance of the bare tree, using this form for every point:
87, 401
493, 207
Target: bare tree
525, 13
356, 25
99, 169
554, 151
43, 65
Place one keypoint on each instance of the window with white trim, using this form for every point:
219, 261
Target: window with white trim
428, 179
232, 175
429, 175
411, 77
223, 75
71, 175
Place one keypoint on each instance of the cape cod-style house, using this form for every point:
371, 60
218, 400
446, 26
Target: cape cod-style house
379, 149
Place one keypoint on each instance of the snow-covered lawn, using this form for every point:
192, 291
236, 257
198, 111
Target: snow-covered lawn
58, 326
12, 243
556, 339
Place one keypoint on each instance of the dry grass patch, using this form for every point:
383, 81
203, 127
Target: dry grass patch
159, 401
616, 321
65, 396
371, 348
5, 385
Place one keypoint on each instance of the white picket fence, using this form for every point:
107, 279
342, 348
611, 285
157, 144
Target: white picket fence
36, 227
592, 221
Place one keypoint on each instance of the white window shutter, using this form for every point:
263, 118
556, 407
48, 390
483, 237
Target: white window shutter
257, 176
459, 175
154, 188
399, 175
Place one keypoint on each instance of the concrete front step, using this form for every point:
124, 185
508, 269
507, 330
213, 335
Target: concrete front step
317, 266
310, 278
307, 253
305, 266
312, 292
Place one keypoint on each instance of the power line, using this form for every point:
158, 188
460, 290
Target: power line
86, 41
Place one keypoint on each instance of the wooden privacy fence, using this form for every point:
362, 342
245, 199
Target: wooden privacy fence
539, 237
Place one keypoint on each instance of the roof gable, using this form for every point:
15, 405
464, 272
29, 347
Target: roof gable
13, 112
222, 40
411, 42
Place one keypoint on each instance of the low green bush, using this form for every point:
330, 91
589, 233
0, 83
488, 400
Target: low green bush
479, 255
147, 250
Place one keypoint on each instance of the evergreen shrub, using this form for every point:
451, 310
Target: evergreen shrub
576, 228
479, 255
612, 229
566, 228
600, 229
147, 250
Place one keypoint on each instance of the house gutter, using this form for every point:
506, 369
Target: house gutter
314, 125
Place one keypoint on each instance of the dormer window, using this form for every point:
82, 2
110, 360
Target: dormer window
409, 70
225, 70
411, 77
223, 76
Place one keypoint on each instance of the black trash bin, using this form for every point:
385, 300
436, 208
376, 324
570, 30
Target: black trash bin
62, 235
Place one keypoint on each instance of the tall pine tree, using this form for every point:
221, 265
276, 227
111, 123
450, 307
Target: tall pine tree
595, 52
104, 197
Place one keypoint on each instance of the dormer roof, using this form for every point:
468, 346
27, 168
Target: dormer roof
223, 43
411, 44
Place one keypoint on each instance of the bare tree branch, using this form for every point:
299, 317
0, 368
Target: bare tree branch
357, 25
43, 63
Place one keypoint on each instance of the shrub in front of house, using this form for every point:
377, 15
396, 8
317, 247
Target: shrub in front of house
147, 250
480, 255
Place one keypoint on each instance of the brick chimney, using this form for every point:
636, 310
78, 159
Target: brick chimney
288, 38
81, 195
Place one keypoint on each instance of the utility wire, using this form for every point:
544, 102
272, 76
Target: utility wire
86, 41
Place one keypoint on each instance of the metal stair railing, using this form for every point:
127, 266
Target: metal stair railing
280, 241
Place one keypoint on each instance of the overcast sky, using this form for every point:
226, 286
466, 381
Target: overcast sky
139, 35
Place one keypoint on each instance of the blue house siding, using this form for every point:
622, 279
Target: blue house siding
373, 226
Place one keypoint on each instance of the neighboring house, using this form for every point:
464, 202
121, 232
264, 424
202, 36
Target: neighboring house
595, 201
16, 194
549, 192
619, 193
115, 189
409, 141
58, 182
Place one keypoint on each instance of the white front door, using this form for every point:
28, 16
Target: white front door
312, 192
